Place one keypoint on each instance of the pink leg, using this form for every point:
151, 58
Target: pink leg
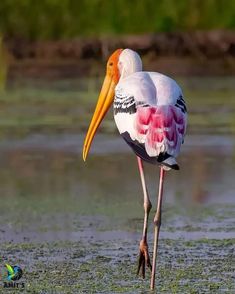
143, 254
157, 223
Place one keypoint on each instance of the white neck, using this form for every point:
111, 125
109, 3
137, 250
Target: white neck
129, 62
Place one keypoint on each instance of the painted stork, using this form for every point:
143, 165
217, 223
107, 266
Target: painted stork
151, 116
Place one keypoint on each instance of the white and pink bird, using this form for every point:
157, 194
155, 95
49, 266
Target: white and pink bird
151, 116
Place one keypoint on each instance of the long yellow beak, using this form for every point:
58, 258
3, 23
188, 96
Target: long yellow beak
105, 100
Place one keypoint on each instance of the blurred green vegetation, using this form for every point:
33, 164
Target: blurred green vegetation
56, 19
3, 66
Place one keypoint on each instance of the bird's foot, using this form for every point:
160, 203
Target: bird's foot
144, 259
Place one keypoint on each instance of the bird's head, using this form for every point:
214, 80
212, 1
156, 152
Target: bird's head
121, 63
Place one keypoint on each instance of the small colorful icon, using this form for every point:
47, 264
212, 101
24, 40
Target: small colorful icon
14, 273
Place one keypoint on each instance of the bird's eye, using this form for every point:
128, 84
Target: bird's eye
111, 63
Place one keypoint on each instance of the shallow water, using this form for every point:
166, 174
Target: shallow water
58, 212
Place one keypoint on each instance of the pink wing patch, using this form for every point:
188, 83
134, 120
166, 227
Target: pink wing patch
161, 129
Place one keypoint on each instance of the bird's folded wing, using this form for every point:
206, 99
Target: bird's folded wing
161, 129
140, 87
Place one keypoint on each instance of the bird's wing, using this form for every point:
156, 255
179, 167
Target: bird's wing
137, 88
134, 91
148, 89
161, 127
168, 91
10, 269
150, 107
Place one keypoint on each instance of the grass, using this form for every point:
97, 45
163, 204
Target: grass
95, 267
50, 19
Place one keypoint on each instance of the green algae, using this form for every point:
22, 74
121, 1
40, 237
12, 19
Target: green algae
201, 266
